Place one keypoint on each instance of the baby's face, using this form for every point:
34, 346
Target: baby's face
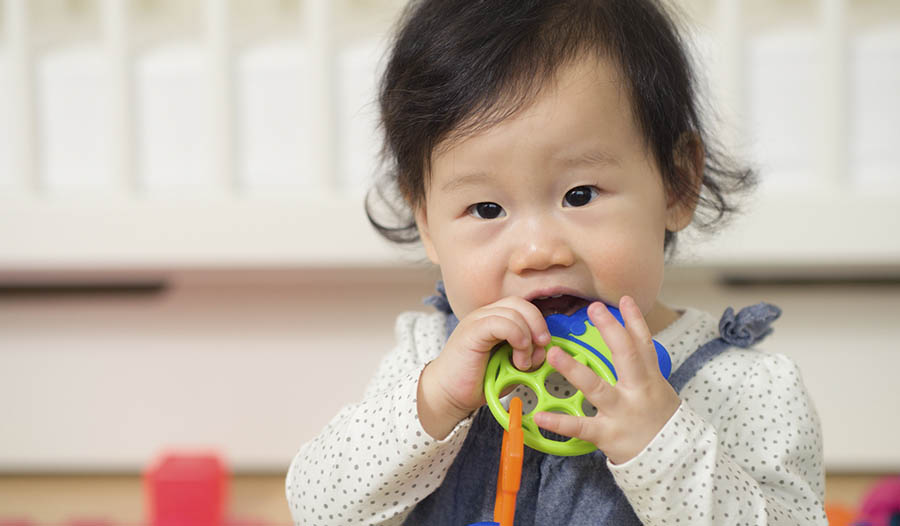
563, 198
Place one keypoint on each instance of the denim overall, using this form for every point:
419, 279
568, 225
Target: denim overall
559, 491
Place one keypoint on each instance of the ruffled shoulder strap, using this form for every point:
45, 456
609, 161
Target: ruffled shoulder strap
440, 302
748, 326
743, 329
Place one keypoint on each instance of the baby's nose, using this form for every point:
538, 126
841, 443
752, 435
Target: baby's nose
540, 251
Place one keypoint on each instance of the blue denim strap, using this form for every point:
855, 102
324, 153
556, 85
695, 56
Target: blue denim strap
440, 302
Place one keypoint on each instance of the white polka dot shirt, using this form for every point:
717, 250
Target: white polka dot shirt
744, 447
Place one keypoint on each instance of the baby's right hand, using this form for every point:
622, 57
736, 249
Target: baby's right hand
452, 386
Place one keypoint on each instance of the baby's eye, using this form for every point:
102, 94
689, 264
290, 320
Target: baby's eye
486, 210
580, 196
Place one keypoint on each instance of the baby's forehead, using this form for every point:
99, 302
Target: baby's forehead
582, 116
588, 75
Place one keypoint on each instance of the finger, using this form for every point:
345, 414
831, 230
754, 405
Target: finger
537, 358
522, 343
491, 329
568, 425
536, 323
636, 325
595, 389
528, 316
630, 367
540, 334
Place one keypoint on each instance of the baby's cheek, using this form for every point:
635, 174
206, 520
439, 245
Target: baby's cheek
469, 290
630, 270
647, 284
648, 289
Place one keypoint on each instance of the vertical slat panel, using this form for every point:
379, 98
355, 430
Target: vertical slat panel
834, 140
318, 27
218, 28
23, 147
116, 30
173, 88
6, 177
272, 80
873, 107
730, 37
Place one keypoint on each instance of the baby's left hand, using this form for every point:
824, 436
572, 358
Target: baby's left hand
633, 411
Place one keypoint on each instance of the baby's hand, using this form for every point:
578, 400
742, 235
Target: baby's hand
452, 386
633, 411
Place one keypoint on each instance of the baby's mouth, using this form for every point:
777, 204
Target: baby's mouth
560, 304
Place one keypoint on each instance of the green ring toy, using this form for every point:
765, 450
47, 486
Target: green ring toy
578, 337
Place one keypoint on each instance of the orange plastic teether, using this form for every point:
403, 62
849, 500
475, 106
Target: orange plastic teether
510, 476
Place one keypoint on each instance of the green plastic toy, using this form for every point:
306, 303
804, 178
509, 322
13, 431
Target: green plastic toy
577, 336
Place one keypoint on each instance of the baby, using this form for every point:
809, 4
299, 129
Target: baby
548, 153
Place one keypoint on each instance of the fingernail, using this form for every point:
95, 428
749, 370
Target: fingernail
552, 358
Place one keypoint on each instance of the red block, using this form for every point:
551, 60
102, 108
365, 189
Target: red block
186, 490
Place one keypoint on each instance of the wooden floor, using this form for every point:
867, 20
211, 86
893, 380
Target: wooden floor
57, 500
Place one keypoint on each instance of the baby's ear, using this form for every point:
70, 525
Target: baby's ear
690, 159
425, 234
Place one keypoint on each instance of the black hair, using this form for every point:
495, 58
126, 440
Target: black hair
461, 66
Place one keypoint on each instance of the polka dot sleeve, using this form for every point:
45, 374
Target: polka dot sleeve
744, 448
373, 462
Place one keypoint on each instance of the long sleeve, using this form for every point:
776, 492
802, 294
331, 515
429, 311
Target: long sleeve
744, 448
373, 462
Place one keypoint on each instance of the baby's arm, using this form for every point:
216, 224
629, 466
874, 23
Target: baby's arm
743, 448
374, 461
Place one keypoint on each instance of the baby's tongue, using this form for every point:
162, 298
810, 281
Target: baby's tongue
564, 304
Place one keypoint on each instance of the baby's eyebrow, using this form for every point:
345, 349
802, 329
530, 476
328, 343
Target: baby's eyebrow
593, 157
468, 179
590, 158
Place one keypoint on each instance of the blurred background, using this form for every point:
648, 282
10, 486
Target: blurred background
185, 262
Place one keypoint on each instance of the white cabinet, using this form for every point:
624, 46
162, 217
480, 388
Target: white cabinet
237, 139
230, 133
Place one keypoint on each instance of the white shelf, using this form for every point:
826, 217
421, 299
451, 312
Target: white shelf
41, 236
119, 234
799, 230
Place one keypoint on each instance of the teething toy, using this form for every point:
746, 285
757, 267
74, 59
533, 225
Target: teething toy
509, 477
576, 335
